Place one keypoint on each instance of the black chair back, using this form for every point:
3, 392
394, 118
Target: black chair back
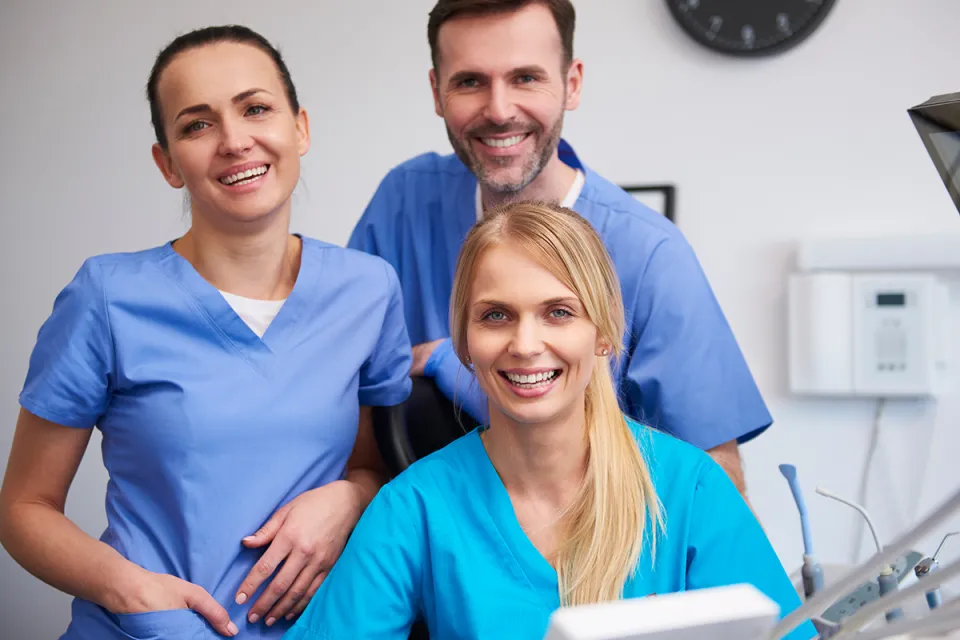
426, 422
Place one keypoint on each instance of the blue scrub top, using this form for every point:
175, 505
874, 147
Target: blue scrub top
455, 552
207, 428
682, 370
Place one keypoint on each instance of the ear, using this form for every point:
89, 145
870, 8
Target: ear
603, 349
435, 88
574, 83
165, 163
303, 132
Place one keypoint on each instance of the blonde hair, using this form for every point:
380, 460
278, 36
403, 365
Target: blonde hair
605, 527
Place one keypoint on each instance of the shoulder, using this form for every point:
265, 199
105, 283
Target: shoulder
417, 186
438, 476
635, 235
675, 465
425, 167
610, 207
350, 266
105, 269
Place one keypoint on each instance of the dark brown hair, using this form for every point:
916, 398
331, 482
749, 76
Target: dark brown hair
563, 14
205, 36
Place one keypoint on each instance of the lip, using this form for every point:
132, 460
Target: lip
237, 168
535, 392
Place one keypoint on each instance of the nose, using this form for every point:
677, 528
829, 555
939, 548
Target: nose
235, 140
500, 108
527, 340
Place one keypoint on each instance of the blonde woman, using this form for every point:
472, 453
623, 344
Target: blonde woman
560, 500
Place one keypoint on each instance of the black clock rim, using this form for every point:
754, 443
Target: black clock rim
796, 38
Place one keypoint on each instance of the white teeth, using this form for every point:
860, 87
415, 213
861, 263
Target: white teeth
531, 378
503, 142
244, 175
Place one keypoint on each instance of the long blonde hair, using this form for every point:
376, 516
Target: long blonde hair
604, 534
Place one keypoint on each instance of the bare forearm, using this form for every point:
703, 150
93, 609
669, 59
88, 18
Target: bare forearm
366, 483
727, 455
67, 558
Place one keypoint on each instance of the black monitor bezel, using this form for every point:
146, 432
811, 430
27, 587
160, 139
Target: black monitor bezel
940, 114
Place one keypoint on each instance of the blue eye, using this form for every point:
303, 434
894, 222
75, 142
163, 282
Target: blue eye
561, 313
495, 316
256, 110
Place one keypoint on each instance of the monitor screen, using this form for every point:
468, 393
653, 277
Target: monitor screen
938, 122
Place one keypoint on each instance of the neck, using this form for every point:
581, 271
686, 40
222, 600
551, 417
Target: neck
260, 262
546, 460
552, 184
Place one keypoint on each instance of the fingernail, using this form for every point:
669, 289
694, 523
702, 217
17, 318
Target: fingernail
241, 598
290, 616
232, 629
249, 538
253, 618
270, 621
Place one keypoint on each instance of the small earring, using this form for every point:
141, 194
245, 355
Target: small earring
603, 351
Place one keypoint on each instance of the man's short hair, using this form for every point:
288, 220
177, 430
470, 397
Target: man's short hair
563, 14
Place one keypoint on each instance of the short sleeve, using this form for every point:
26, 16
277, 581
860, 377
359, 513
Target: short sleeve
727, 546
686, 374
71, 367
373, 590
385, 376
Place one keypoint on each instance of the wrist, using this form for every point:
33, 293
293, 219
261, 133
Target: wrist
360, 486
125, 587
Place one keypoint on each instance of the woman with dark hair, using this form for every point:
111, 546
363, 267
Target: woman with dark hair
231, 373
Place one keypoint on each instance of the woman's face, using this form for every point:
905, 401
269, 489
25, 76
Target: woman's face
233, 139
529, 338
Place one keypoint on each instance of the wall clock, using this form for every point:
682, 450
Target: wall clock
749, 27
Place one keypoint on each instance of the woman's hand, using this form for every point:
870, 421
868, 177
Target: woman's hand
160, 592
307, 535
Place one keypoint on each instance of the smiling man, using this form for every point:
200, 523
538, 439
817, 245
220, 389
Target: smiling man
503, 76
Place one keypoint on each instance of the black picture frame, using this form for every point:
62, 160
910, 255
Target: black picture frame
659, 197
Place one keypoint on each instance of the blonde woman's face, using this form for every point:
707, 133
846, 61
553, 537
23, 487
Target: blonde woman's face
528, 337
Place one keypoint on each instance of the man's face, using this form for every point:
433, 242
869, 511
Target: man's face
501, 87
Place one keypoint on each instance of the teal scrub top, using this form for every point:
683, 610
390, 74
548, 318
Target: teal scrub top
442, 541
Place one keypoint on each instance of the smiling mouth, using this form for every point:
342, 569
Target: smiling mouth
531, 380
503, 143
244, 177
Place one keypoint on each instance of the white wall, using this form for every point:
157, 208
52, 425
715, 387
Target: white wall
764, 152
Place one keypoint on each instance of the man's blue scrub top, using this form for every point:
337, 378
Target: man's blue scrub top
207, 428
682, 370
442, 540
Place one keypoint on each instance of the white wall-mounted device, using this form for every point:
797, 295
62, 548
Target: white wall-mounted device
867, 333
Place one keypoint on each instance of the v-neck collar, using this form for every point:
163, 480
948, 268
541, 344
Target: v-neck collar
211, 303
539, 572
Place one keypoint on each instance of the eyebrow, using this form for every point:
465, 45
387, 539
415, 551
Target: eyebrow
546, 303
531, 70
200, 108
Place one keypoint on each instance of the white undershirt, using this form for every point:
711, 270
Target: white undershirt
258, 314
568, 202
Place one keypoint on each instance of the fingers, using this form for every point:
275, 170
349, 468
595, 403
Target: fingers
280, 587
296, 594
269, 529
300, 606
263, 569
203, 603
